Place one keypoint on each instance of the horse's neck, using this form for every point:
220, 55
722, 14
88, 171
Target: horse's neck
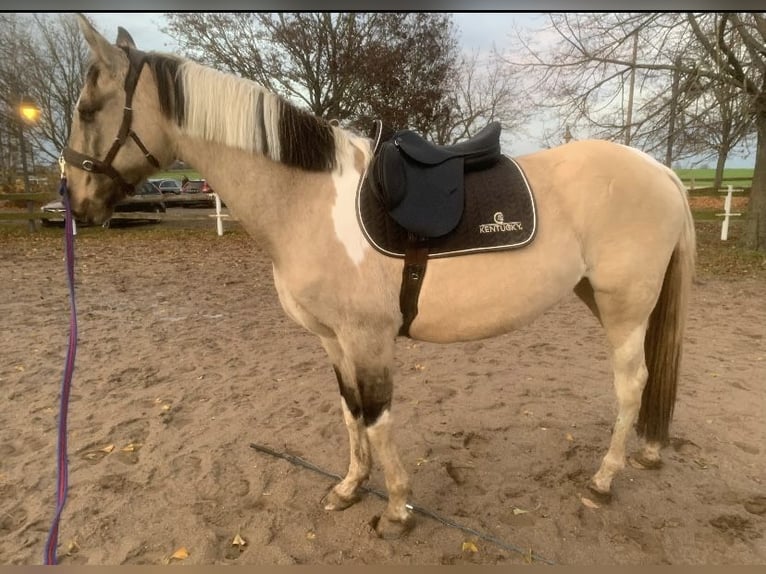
282, 207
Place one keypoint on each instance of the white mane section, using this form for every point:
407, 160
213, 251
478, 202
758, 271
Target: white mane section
224, 108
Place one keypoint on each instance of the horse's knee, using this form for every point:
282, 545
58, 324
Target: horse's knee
369, 395
376, 388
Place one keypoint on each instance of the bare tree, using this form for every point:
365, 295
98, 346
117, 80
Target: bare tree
483, 91
42, 57
685, 67
349, 66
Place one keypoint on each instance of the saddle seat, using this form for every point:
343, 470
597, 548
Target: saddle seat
421, 184
480, 151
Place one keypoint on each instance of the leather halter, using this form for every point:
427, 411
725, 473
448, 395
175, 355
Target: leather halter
136, 60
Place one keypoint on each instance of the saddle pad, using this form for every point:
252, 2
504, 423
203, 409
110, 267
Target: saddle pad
499, 213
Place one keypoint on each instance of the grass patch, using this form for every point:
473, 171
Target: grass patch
703, 178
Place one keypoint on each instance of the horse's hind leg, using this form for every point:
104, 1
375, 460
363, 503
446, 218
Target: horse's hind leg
625, 322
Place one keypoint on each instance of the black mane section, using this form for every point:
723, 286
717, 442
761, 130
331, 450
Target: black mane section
169, 86
305, 141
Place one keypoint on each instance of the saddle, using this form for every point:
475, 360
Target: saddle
419, 200
421, 184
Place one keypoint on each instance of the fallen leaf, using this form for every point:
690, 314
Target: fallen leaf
132, 447
180, 554
518, 511
469, 546
239, 541
108, 448
569, 437
72, 547
310, 535
165, 407
588, 502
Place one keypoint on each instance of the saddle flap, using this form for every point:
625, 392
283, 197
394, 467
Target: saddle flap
427, 202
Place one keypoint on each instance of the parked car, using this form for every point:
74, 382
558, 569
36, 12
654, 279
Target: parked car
196, 186
167, 185
147, 199
197, 193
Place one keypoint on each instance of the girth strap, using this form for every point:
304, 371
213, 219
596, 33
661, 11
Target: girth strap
415, 263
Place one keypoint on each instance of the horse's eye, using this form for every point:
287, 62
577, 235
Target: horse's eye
87, 113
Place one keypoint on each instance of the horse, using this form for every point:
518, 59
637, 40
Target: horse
614, 227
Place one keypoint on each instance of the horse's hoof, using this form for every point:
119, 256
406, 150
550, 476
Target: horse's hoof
389, 529
604, 497
638, 460
333, 501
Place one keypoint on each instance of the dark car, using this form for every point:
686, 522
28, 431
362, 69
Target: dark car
147, 199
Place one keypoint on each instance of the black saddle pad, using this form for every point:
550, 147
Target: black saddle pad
499, 213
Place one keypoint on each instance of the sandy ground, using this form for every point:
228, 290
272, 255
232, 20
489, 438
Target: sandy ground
185, 358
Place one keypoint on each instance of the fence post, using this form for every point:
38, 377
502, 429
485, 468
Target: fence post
218, 216
727, 213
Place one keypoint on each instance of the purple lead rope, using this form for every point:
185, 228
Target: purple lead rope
66, 383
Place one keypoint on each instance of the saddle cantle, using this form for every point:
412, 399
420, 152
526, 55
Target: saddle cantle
421, 184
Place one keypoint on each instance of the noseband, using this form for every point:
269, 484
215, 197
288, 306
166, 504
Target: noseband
136, 60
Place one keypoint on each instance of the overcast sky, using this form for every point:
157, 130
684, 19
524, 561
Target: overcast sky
478, 30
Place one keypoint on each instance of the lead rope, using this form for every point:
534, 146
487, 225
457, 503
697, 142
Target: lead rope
66, 383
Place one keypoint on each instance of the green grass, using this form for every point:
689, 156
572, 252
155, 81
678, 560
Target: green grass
738, 177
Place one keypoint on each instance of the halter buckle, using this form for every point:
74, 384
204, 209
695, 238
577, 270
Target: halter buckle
88, 165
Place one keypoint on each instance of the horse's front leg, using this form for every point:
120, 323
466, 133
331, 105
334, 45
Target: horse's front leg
366, 388
376, 388
345, 493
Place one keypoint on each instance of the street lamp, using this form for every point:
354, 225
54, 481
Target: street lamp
29, 113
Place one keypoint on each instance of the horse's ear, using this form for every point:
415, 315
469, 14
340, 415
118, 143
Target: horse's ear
100, 46
124, 39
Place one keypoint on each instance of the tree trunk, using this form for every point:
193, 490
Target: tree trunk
720, 164
755, 222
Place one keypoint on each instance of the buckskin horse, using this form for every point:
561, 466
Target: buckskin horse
610, 223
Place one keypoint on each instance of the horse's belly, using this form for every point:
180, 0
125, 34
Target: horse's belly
480, 296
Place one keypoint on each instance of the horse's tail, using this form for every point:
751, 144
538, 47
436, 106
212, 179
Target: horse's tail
664, 335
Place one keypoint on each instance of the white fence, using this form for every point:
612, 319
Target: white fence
727, 212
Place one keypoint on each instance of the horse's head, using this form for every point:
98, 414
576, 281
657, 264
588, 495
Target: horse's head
118, 136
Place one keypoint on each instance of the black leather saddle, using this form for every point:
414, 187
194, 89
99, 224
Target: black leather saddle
421, 184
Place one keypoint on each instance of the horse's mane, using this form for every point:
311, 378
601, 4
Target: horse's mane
240, 113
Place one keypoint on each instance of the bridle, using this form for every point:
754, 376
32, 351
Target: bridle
136, 60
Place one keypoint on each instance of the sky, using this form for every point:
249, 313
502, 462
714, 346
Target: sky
478, 30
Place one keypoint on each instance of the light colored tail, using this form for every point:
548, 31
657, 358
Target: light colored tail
664, 335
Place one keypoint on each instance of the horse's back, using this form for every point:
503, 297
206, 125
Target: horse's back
605, 212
